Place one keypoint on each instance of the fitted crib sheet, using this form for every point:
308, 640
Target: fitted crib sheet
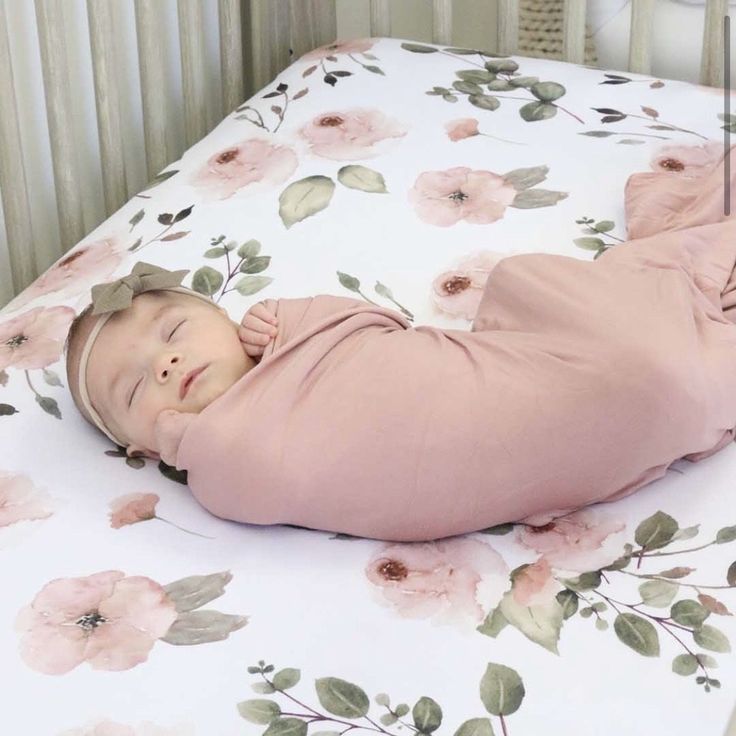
399, 173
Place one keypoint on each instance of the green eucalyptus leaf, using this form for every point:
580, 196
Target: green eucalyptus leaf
304, 198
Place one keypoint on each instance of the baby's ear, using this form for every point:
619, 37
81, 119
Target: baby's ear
137, 451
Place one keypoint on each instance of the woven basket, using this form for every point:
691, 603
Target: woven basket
540, 31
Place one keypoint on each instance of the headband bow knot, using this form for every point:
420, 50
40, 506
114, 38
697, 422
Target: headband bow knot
117, 295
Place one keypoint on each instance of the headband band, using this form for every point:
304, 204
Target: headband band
113, 297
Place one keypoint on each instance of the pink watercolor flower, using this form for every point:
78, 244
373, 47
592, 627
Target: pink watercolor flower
20, 500
455, 581
535, 585
458, 292
446, 197
689, 161
106, 727
34, 339
462, 128
106, 619
132, 508
354, 46
581, 541
350, 134
72, 274
249, 162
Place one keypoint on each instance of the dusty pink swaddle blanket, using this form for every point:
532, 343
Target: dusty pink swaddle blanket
580, 381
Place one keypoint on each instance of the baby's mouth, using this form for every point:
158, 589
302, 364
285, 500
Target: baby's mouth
188, 380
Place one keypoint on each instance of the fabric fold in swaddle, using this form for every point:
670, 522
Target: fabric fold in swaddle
580, 381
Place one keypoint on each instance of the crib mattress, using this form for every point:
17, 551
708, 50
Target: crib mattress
398, 173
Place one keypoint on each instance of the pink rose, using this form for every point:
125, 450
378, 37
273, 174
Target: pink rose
245, 163
462, 128
458, 292
106, 619
581, 541
535, 585
73, 273
689, 161
132, 508
456, 581
446, 197
350, 134
34, 339
20, 500
354, 46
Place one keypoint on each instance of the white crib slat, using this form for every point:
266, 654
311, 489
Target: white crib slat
107, 101
16, 207
380, 18
507, 39
151, 63
573, 43
231, 55
442, 21
312, 23
269, 41
711, 59
640, 38
191, 42
50, 21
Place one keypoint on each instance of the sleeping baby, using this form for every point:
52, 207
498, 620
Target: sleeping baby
573, 386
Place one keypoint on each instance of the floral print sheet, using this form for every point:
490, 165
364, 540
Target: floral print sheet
399, 173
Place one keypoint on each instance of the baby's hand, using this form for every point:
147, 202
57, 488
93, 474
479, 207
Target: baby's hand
257, 328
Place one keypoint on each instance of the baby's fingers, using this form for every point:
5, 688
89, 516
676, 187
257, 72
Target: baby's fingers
260, 311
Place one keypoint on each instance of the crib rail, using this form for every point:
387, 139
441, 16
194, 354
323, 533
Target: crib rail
276, 31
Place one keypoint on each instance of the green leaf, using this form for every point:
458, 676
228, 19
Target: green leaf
249, 249
449, 98
727, 534
598, 133
501, 65
709, 637
658, 593
51, 377
419, 48
484, 102
198, 627
537, 198
259, 710
286, 727
427, 715
471, 88
656, 531
589, 243
341, 698
638, 633
604, 226
7, 410
601, 624
372, 68
479, 76
362, 178
585, 581
206, 280
534, 111
731, 574
523, 81
499, 85
349, 282
49, 405
689, 613
196, 590
252, 284
462, 51
304, 198
475, 727
494, 623
172, 473
547, 91
501, 690
215, 252
525, 178
499, 529
255, 264
137, 217
286, 678
684, 664
568, 602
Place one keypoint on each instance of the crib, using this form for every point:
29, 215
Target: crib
151, 616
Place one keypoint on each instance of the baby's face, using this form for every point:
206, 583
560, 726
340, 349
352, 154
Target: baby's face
140, 358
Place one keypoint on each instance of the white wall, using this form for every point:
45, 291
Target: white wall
677, 40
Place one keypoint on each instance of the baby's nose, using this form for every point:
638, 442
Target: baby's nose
166, 365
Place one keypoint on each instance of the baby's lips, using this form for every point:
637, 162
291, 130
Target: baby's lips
168, 430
